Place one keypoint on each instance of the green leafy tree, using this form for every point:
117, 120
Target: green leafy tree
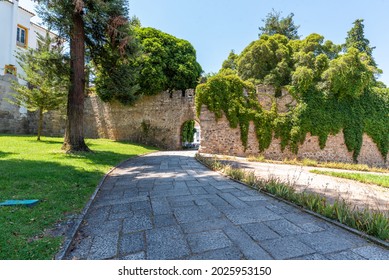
311, 57
356, 39
47, 77
188, 131
168, 63
267, 60
100, 27
231, 61
275, 24
349, 75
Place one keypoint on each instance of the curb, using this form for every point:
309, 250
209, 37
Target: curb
71, 233
336, 223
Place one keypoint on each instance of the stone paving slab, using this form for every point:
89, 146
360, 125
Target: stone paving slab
166, 205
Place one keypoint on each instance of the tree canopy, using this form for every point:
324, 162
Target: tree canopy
167, 62
275, 24
267, 60
231, 61
356, 39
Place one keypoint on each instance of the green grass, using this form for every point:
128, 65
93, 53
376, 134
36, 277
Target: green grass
62, 182
314, 163
380, 180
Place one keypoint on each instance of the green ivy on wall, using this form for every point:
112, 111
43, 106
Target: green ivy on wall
335, 92
188, 131
317, 112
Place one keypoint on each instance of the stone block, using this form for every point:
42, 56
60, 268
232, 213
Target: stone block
286, 248
250, 249
104, 247
166, 243
259, 231
372, 252
131, 243
230, 253
326, 242
208, 240
250, 215
284, 227
138, 222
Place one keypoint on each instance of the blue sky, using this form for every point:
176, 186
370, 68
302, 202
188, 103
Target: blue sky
215, 27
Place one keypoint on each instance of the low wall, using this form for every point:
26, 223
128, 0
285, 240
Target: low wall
218, 137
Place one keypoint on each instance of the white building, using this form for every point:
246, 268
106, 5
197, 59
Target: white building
17, 32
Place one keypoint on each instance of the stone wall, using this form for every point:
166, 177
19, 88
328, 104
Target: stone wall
17, 120
217, 137
153, 120
12, 119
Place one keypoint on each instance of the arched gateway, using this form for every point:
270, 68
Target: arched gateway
153, 120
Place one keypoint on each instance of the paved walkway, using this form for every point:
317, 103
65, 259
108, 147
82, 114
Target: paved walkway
166, 205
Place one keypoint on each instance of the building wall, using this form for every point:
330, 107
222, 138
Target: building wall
12, 15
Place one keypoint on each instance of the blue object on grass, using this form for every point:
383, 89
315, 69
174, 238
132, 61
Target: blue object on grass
26, 202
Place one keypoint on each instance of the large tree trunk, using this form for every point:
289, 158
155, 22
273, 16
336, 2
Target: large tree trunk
40, 124
74, 134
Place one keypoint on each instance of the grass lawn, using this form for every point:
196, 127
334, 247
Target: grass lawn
314, 163
381, 180
62, 182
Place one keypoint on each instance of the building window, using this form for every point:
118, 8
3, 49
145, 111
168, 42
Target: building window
21, 36
10, 69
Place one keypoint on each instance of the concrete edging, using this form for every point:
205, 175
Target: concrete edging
336, 223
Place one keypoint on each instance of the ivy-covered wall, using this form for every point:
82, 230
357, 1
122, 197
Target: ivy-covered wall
280, 127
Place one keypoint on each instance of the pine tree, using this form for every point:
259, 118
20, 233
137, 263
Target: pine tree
356, 39
96, 30
46, 76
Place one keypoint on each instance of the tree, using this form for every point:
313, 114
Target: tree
188, 132
267, 60
356, 39
349, 75
230, 62
101, 27
168, 63
311, 57
275, 24
47, 77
